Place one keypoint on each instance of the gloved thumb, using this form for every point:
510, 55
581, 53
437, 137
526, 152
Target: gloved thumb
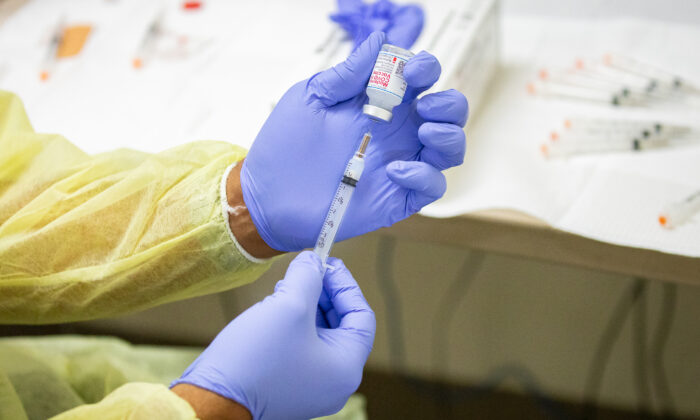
303, 281
349, 78
357, 320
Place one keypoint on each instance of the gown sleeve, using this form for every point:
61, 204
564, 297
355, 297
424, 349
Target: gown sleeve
91, 236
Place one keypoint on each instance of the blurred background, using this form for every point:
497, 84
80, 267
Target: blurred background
478, 319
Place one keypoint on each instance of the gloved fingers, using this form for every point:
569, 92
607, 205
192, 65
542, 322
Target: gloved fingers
332, 318
425, 182
327, 311
406, 27
302, 283
353, 310
349, 78
420, 72
448, 106
321, 320
324, 302
444, 144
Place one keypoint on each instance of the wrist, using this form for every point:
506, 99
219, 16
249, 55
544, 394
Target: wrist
240, 221
210, 405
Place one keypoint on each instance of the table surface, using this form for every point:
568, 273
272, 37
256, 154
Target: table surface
516, 234
512, 233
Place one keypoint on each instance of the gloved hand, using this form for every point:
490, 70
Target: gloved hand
401, 23
297, 160
279, 360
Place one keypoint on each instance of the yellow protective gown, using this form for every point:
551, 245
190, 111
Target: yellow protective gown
102, 377
85, 237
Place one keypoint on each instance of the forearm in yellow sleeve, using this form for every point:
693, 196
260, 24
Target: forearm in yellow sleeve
83, 236
135, 401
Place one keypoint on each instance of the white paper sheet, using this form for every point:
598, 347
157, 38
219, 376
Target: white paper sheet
253, 52
613, 197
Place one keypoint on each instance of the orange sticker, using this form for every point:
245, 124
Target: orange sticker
73, 40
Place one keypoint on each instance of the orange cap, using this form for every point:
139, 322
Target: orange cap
44, 76
579, 64
554, 136
192, 5
531, 88
545, 150
137, 63
543, 74
567, 123
663, 220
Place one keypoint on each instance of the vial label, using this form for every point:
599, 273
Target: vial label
388, 74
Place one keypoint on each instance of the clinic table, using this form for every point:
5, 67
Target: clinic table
515, 234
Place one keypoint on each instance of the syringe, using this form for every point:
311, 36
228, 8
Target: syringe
341, 200
147, 42
385, 90
678, 213
598, 136
54, 44
577, 146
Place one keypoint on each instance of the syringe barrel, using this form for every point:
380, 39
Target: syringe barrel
355, 167
330, 227
338, 207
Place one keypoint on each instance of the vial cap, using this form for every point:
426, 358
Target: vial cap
377, 113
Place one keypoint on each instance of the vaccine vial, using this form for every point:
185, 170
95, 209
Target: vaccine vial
386, 85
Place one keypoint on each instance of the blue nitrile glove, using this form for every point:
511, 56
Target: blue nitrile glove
278, 361
402, 24
297, 160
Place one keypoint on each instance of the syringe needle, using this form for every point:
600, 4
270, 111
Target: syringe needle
365, 142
